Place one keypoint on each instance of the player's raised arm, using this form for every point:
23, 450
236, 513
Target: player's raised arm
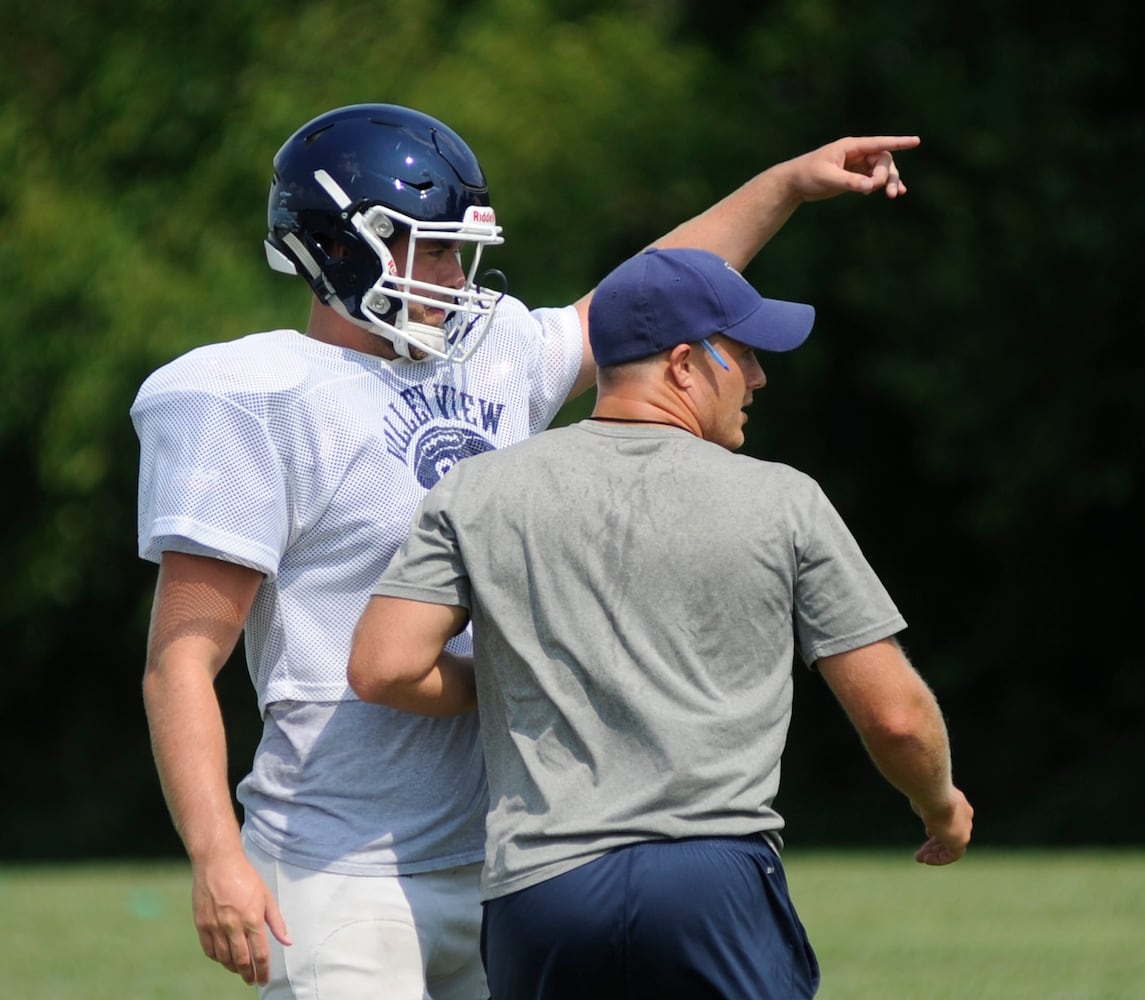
740, 224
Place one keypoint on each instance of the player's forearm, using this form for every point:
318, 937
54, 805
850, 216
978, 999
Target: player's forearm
189, 745
739, 225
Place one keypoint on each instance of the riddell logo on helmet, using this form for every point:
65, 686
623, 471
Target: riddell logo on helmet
480, 213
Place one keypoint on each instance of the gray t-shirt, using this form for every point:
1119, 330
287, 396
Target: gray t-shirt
637, 597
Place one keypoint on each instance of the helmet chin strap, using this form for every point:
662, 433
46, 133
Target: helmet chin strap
385, 331
402, 345
411, 347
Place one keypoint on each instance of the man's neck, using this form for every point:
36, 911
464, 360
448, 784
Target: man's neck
623, 410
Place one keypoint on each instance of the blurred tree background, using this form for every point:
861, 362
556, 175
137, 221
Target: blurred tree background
973, 397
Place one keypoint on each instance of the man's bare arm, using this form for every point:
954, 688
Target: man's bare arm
901, 725
398, 658
200, 607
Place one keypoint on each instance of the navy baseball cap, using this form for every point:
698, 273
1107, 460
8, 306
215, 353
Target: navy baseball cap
661, 298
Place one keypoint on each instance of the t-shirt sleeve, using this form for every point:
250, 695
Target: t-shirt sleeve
840, 603
210, 480
428, 567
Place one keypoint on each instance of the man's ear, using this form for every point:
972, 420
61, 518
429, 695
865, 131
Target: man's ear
681, 366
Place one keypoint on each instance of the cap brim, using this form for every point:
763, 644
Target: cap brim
775, 325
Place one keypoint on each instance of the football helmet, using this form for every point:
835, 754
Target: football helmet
348, 182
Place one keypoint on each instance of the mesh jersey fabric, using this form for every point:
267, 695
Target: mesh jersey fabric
612, 711
305, 461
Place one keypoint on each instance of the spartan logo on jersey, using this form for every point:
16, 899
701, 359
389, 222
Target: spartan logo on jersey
417, 436
442, 448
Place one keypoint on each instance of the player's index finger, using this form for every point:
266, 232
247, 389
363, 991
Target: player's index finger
875, 143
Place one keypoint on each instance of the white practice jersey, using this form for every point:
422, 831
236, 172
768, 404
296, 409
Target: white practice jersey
305, 461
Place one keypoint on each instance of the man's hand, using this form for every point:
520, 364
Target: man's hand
233, 908
948, 830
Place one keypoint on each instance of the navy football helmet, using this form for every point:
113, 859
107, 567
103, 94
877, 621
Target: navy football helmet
350, 180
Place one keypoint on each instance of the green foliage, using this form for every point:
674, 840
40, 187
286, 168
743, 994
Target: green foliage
972, 396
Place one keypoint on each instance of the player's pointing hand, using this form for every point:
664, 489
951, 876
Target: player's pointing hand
861, 165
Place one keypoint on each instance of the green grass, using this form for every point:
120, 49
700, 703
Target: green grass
105, 932
997, 926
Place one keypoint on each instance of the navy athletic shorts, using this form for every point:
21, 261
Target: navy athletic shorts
687, 919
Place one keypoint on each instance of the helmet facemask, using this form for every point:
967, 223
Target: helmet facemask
385, 307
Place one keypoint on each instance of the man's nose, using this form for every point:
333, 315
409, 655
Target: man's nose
457, 278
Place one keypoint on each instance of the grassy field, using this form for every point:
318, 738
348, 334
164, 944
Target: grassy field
997, 926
